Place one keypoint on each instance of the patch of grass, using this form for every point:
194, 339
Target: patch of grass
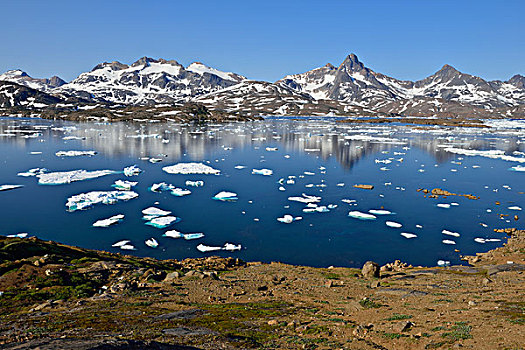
316, 329
369, 304
460, 330
331, 275
438, 328
394, 335
397, 317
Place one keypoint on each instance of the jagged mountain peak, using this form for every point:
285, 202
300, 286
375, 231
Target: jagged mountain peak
518, 81
14, 73
352, 63
115, 65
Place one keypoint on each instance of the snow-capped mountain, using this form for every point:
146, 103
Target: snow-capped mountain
349, 89
22, 78
148, 81
352, 82
16, 95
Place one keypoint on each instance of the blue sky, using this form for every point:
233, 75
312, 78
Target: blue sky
266, 39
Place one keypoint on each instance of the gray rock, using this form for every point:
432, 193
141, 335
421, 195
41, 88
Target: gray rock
370, 270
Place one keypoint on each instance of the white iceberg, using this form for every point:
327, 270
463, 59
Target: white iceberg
240, 167
173, 234
305, 199
127, 247
361, 216
163, 221
33, 172
379, 212
198, 183
271, 149
190, 236
86, 200
514, 208
132, 170
443, 263
265, 172
204, 248
9, 187
75, 153
448, 241
231, 247
408, 235
494, 154
120, 243
109, 221
179, 192
190, 168
66, 177
450, 233
162, 186
518, 168
443, 205
393, 224
124, 185
288, 219
155, 211
152, 242
18, 235
225, 196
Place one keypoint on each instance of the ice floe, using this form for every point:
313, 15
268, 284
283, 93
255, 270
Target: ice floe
152, 242
33, 172
450, 233
87, 200
225, 196
288, 219
163, 221
132, 170
197, 183
393, 224
408, 235
443, 205
179, 192
265, 172
518, 168
361, 216
494, 154
190, 236
9, 187
515, 207
120, 243
123, 185
227, 246
65, 177
75, 153
379, 212
305, 199
173, 234
448, 241
109, 221
190, 168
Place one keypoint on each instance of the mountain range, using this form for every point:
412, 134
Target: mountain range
349, 89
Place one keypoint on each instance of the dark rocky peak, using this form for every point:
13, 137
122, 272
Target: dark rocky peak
518, 81
352, 63
115, 65
16, 72
170, 62
55, 81
329, 66
144, 61
447, 71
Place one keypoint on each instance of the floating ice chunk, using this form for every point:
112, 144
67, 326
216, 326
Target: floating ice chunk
132, 170
384, 161
173, 234
124, 185
408, 235
190, 236
265, 172
281, 188
9, 187
379, 212
205, 248
198, 183
309, 173
152, 242
162, 186
120, 243
65, 177
286, 219
225, 196
393, 224
361, 216
18, 235
86, 200
312, 150
67, 138
155, 211
190, 168
443, 263
33, 172
34, 153
480, 240
305, 199
240, 167
443, 205
271, 149
494, 154
332, 206
155, 160
231, 247
419, 226
514, 208
517, 168
163, 221
109, 221
127, 247
450, 233
75, 153
340, 184
179, 192
448, 241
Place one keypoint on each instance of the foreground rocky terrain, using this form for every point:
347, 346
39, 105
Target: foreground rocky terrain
54, 296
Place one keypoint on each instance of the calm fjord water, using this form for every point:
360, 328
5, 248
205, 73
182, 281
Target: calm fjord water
348, 154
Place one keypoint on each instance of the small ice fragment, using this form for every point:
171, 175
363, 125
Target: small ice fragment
198, 183
443, 205
124, 185
190, 236
271, 149
340, 184
179, 192
9, 187
163, 221
231, 247
361, 216
120, 243
419, 226
379, 212
18, 235
450, 233
309, 173
75, 153
454, 204
305, 199
518, 168
33, 172
132, 170
514, 208
173, 234
155, 211
281, 188
408, 235
393, 224
332, 206
240, 167
127, 247
190, 168
479, 240
109, 221
265, 172
448, 241
162, 186
86, 200
225, 196
204, 248
287, 156
152, 242
443, 263
155, 160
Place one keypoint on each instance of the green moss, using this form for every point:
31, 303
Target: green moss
397, 317
460, 330
369, 304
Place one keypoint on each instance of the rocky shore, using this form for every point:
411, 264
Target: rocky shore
56, 296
